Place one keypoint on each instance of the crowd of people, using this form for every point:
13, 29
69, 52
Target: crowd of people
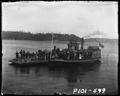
40, 54
22, 54
65, 54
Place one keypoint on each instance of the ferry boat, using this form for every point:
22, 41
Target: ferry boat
71, 55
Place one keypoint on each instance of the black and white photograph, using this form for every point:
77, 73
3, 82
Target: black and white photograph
59, 48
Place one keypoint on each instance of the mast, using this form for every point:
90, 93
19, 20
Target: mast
51, 46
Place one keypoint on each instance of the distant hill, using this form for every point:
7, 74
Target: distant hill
14, 35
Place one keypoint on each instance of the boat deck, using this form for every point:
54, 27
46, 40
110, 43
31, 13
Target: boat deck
52, 61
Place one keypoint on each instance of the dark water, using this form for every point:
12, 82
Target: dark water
47, 80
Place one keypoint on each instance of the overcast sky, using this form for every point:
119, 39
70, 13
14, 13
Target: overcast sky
73, 17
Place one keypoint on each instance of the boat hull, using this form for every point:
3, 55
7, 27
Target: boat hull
55, 62
73, 62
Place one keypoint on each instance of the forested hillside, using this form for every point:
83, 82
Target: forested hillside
38, 36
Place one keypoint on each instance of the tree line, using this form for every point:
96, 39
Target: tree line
20, 35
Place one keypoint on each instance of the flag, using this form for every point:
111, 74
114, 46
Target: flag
101, 45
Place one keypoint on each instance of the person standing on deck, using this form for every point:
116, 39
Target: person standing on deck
68, 55
17, 54
75, 55
33, 54
80, 56
39, 54
28, 54
48, 55
36, 55
21, 54
54, 51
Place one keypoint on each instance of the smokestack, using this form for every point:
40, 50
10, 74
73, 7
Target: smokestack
82, 43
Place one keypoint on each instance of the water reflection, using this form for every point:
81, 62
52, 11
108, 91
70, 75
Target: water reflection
72, 73
22, 70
